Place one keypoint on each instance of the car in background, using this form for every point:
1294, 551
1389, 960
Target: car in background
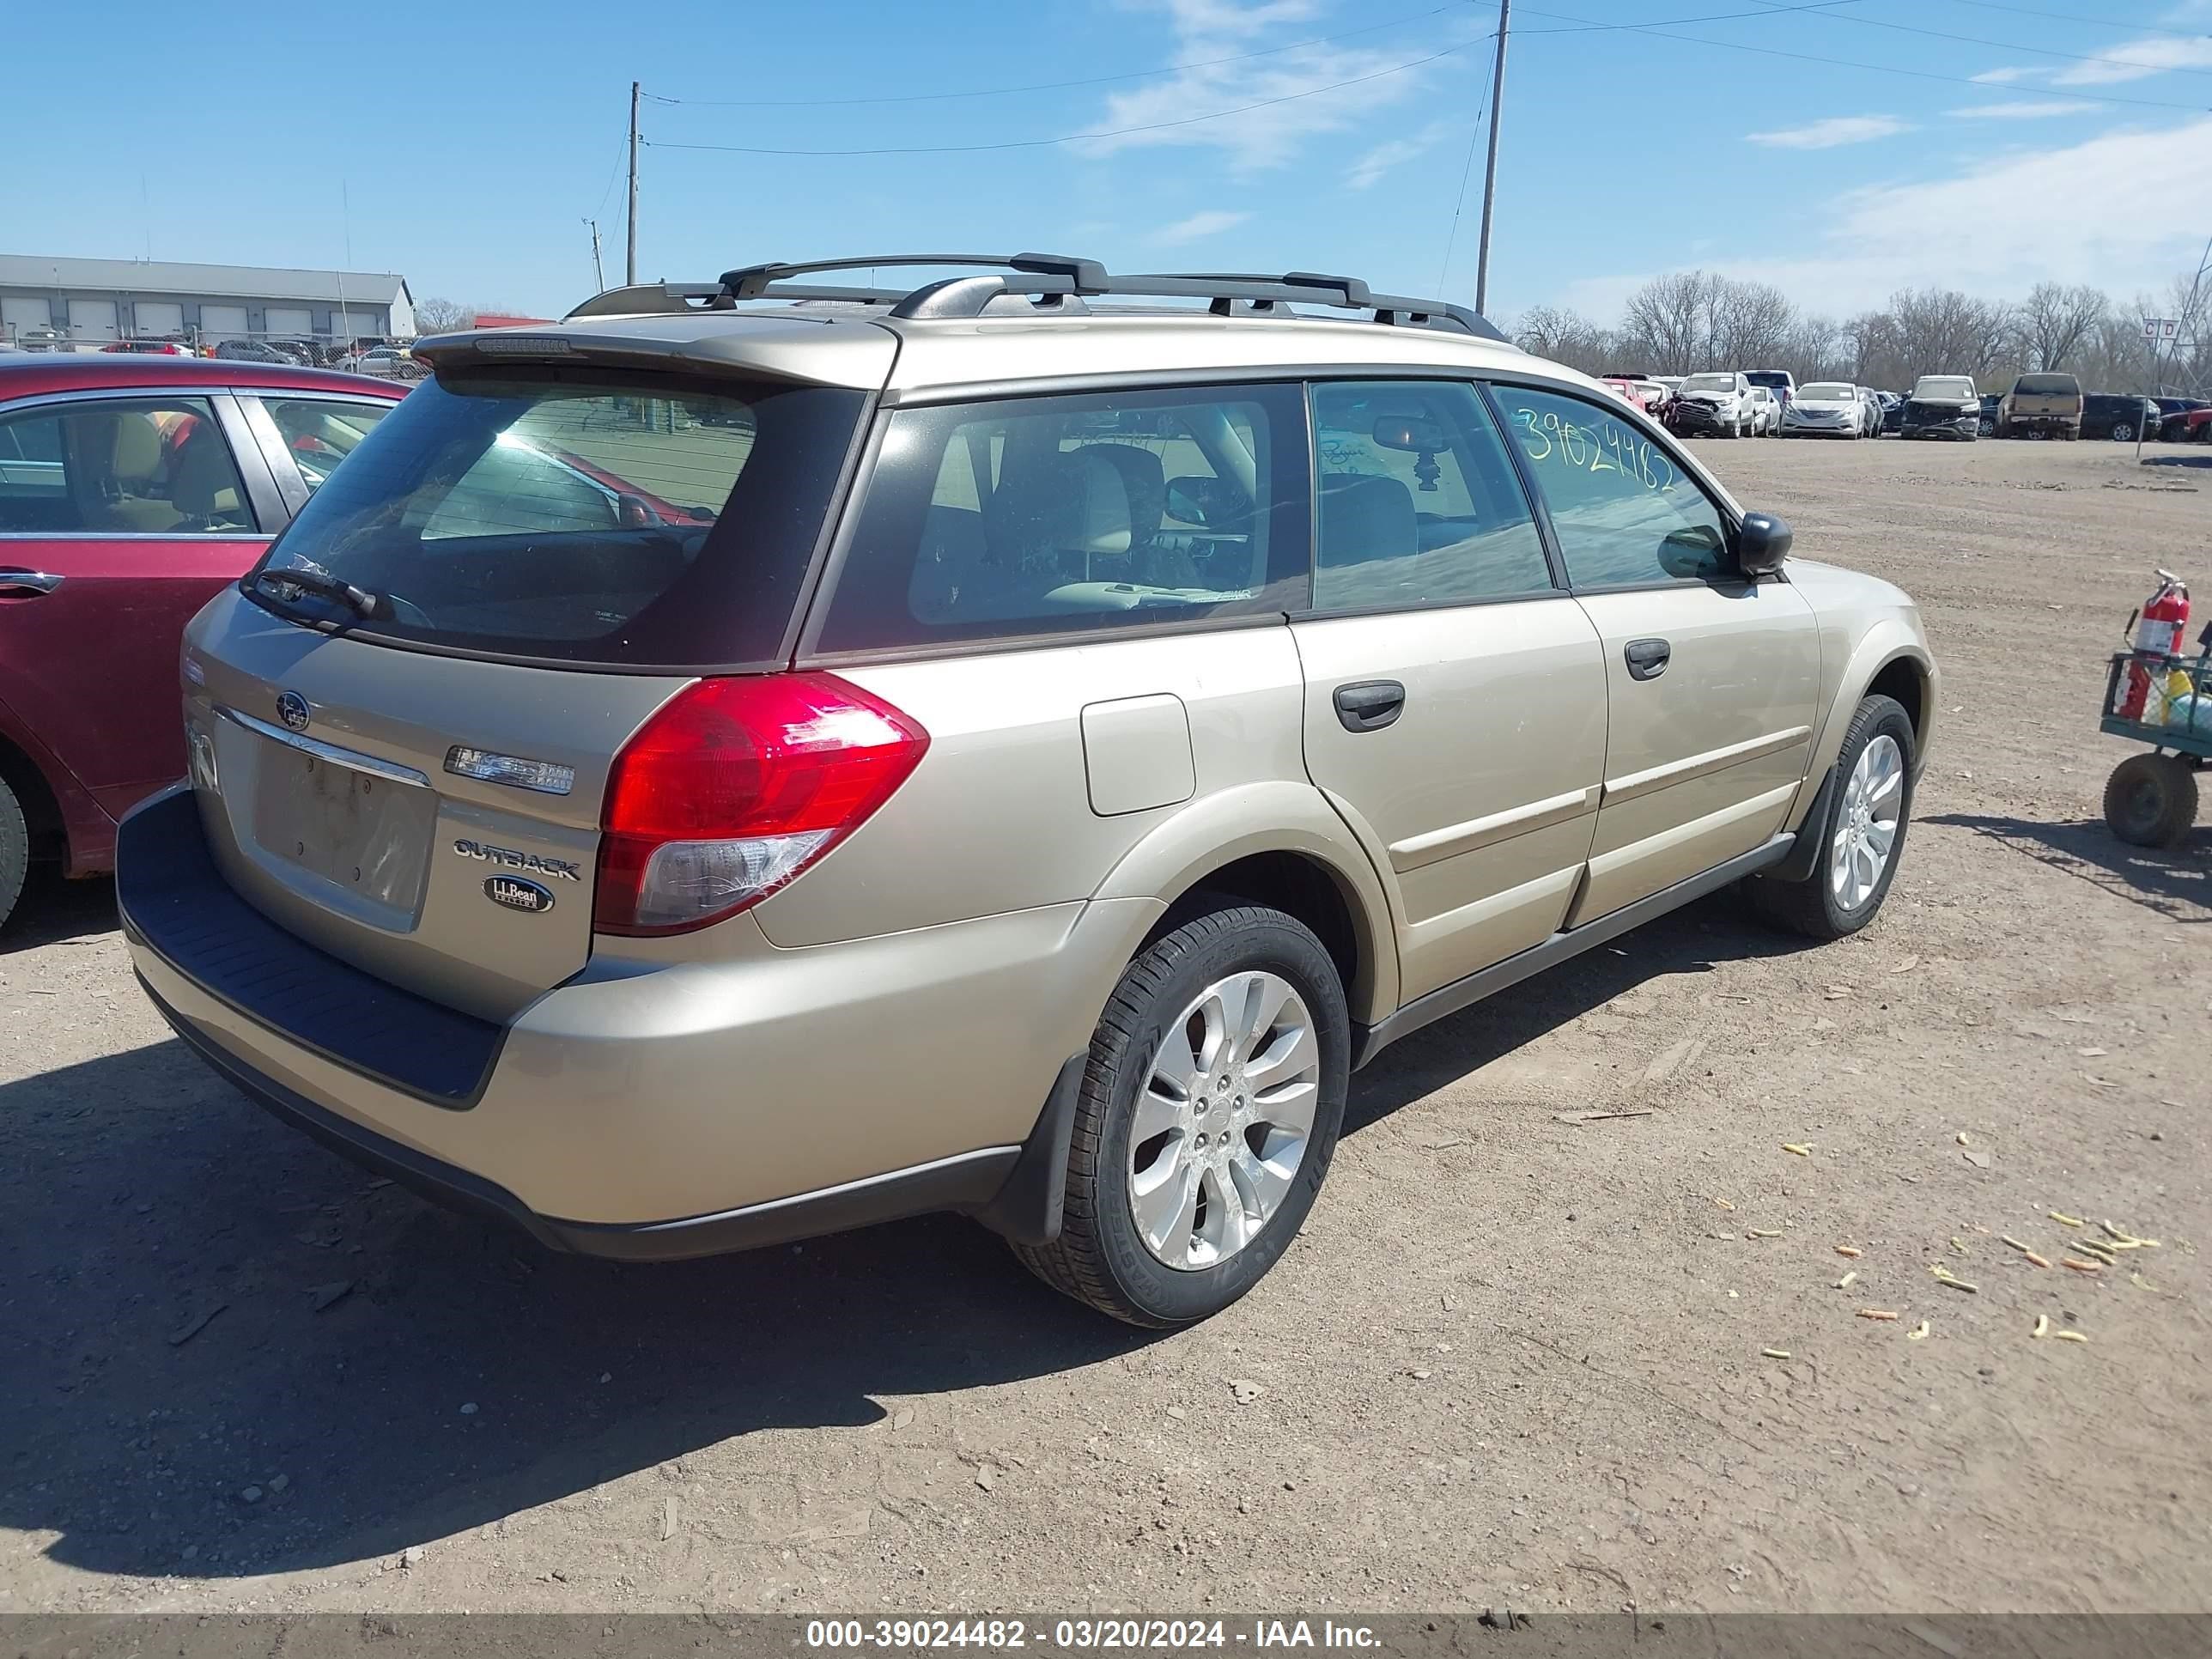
251, 351
1942, 406
151, 348
1765, 412
389, 362
2174, 413
1992, 410
1779, 381
131, 489
2118, 416
1825, 408
1716, 403
1642, 394
1872, 409
2042, 405
1893, 412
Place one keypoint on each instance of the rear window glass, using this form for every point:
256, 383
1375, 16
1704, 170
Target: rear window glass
2046, 385
1076, 514
578, 515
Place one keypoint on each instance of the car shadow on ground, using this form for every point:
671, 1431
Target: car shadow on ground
2176, 883
51, 910
202, 1300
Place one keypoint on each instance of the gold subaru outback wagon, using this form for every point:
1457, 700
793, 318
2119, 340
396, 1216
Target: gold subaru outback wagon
759, 758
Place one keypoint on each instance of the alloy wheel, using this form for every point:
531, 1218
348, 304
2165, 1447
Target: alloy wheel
1224, 1119
1867, 826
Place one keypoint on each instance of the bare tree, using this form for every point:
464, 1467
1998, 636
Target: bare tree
1565, 336
1750, 323
2055, 321
442, 316
1666, 322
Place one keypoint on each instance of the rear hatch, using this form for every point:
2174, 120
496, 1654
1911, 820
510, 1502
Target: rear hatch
403, 724
2045, 397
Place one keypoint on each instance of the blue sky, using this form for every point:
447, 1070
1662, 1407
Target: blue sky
465, 146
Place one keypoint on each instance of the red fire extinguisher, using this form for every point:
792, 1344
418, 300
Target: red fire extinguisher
2164, 615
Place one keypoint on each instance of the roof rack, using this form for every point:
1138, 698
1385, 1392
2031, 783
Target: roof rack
1053, 281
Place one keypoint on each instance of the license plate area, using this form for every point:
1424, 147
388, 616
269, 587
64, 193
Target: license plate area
367, 834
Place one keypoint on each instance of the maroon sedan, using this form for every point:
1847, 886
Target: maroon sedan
132, 488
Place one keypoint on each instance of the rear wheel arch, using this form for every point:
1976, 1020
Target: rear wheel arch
1301, 887
42, 811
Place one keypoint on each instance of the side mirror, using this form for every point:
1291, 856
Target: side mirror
1762, 542
635, 512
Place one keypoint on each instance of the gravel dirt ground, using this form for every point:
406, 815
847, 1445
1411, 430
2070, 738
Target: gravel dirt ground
1518, 1357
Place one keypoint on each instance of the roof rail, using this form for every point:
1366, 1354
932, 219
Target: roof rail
1057, 282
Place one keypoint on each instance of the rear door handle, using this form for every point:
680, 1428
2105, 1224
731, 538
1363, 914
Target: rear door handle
1369, 705
27, 584
1647, 658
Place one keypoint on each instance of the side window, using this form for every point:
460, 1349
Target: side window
1622, 511
319, 434
1076, 514
135, 467
1418, 502
34, 493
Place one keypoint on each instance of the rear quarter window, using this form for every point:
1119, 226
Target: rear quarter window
1076, 514
580, 515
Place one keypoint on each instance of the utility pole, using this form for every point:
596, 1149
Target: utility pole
599, 271
630, 267
1489, 168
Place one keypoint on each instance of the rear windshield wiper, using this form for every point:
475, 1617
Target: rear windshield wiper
360, 599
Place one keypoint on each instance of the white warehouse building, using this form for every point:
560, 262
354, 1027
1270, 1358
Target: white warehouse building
92, 301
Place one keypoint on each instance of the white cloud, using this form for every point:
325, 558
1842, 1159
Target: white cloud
2021, 109
2005, 77
1835, 130
1199, 225
1271, 134
2144, 58
1393, 153
2133, 204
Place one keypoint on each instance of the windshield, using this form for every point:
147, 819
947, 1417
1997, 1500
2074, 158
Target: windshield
1951, 388
1825, 391
1710, 383
578, 515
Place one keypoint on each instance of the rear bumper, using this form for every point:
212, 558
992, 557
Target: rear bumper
663, 1109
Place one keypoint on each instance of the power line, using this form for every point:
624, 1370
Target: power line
1459, 202
2076, 17
1660, 33
2011, 46
1080, 137
1044, 86
1178, 69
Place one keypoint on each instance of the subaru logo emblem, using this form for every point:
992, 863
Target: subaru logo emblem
517, 893
292, 709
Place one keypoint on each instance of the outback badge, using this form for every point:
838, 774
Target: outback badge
517, 893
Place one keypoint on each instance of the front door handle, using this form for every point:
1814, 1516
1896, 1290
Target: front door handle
1647, 658
27, 584
1369, 705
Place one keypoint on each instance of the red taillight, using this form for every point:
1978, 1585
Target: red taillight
735, 786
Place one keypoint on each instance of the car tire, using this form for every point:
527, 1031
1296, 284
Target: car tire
14, 851
1874, 773
1101, 1256
2150, 800
1986, 427
2122, 432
